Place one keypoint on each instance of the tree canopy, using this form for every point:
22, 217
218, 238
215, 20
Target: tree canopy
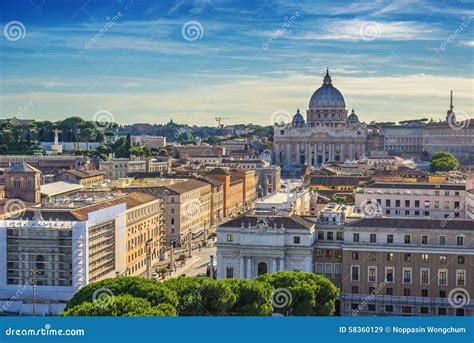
443, 161
288, 293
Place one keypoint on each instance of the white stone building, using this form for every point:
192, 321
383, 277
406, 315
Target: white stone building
250, 246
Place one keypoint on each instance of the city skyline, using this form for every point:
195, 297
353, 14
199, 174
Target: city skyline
151, 62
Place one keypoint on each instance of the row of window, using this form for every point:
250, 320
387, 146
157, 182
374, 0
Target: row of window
441, 311
407, 239
407, 275
407, 257
389, 239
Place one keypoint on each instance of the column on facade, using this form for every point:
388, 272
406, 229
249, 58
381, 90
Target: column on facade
249, 267
324, 152
308, 153
242, 267
288, 155
282, 263
298, 152
274, 265
351, 156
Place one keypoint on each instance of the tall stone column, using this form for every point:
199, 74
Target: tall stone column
308, 154
242, 267
274, 265
288, 154
249, 267
282, 263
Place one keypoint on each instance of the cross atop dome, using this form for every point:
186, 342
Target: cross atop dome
327, 78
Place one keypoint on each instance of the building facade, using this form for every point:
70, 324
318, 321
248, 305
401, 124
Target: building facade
412, 199
51, 253
250, 246
403, 139
116, 168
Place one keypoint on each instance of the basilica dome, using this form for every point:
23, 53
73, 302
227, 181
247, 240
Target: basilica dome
327, 96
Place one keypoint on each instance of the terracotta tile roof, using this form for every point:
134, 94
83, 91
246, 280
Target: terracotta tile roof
130, 200
185, 186
22, 167
82, 174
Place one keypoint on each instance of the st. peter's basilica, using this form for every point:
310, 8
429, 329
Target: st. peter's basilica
328, 134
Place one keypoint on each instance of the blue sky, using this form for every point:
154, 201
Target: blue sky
245, 60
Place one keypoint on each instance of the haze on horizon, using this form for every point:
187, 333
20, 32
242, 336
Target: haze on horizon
190, 61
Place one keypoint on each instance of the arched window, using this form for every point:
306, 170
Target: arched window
262, 268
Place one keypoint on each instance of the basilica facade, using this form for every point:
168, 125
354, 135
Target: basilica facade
327, 135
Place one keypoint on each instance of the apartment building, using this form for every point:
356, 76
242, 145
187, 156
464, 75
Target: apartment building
403, 139
411, 199
116, 168
397, 266
145, 232
148, 141
53, 250
188, 210
50, 164
217, 200
233, 191
442, 137
249, 183
82, 177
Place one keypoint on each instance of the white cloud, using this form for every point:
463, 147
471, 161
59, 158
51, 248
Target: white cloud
253, 100
358, 30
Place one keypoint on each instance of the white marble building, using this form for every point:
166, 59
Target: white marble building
250, 246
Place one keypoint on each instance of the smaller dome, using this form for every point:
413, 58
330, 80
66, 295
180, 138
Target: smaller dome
353, 117
298, 119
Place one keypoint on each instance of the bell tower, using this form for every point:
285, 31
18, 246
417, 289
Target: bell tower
22, 181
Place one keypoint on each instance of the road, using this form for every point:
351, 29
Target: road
199, 266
